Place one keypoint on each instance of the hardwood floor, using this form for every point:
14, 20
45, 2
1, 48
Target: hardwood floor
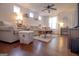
56, 47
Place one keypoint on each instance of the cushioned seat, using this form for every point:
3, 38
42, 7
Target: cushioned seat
8, 33
26, 37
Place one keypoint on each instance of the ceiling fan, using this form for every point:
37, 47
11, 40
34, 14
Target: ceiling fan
49, 8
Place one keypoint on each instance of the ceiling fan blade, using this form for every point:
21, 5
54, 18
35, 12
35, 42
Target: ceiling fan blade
52, 5
53, 8
44, 9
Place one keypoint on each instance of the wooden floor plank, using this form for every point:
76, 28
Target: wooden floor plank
58, 46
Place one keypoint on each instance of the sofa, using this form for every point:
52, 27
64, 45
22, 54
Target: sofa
8, 33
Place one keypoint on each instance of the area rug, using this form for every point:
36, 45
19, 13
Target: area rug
44, 39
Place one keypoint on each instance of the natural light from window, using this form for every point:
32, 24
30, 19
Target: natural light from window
39, 18
16, 9
53, 22
31, 14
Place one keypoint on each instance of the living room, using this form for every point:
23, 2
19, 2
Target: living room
36, 29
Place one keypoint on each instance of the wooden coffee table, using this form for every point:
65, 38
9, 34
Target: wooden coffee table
44, 32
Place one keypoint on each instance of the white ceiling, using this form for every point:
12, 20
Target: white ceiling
37, 7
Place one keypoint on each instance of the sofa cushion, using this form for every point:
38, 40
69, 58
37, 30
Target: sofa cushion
6, 28
4, 25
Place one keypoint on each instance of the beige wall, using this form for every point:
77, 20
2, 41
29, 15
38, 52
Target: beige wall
32, 21
7, 14
69, 17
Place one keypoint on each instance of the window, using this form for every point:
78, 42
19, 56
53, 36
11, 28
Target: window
19, 17
16, 9
53, 22
39, 17
31, 14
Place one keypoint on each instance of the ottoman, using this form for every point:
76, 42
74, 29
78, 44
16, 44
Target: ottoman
26, 37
